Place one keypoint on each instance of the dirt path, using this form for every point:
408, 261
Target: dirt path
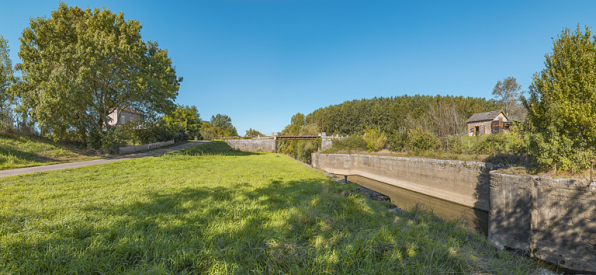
28, 170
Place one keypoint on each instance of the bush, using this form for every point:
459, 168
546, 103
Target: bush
350, 143
420, 141
398, 141
375, 139
551, 150
500, 143
304, 149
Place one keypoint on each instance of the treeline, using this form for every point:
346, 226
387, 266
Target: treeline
442, 115
381, 121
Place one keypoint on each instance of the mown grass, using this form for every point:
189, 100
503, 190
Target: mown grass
212, 210
25, 151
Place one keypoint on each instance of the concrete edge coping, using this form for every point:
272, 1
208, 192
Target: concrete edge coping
549, 180
437, 161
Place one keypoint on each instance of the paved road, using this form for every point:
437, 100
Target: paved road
28, 170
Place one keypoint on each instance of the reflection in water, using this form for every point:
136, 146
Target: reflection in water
406, 199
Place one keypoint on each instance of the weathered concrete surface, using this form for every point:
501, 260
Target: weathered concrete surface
466, 183
253, 145
137, 148
551, 219
326, 143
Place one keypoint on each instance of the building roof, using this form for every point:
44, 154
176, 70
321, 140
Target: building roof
485, 116
129, 110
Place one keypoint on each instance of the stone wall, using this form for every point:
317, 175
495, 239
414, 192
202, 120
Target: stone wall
487, 127
136, 148
466, 183
253, 145
550, 219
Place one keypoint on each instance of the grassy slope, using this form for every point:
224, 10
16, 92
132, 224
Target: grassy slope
18, 152
194, 211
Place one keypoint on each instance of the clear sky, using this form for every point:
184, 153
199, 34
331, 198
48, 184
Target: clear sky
260, 62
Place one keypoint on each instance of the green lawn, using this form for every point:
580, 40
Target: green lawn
209, 209
20, 151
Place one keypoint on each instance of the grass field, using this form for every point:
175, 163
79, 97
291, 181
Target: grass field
212, 210
22, 151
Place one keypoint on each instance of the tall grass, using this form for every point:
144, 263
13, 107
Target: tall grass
26, 151
212, 210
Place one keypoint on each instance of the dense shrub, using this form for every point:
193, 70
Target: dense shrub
398, 140
419, 141
354, 142
304, 149
375, 139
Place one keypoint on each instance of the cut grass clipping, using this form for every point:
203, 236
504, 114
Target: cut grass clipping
210, 209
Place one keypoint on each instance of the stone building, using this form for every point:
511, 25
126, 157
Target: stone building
121, 116
487, 123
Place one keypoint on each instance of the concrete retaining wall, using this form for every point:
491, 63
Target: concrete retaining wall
466, 183
326, 143
132, 149
550, 219
253, 145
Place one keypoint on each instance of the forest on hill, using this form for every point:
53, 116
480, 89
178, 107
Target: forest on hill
554, 127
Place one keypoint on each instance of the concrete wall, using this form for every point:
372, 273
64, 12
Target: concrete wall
551, 219
326, 143
466, 183
132, 149
253, 145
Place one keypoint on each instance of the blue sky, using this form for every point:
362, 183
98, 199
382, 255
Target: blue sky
260, 62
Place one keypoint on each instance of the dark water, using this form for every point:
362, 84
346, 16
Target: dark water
475, 219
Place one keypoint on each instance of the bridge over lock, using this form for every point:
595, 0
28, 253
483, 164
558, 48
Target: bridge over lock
269, 144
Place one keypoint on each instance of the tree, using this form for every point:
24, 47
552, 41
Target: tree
222, 125
250, 133
509, 93
186, 118
562, 103
6, 79
81, 65
298, 120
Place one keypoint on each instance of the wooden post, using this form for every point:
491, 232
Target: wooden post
591, 170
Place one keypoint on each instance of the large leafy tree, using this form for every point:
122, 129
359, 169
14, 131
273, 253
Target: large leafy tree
222, 126
561, 103
186, 118
6, 79
81, 65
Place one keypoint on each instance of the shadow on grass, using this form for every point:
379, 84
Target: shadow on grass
24, 156
213, 148
16, 151
309, 226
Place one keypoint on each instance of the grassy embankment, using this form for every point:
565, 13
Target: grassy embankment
20, 151
209, 209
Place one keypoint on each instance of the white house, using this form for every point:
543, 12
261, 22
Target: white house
121, 116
